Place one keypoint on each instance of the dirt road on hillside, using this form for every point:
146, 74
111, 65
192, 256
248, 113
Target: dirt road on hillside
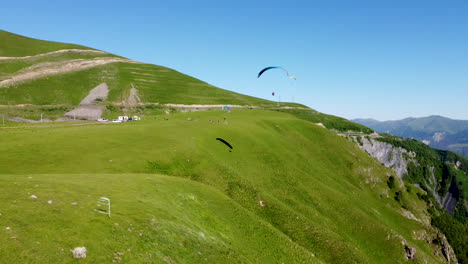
44, 69
54, 53
232, 106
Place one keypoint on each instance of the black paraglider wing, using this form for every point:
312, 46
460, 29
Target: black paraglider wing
225, 142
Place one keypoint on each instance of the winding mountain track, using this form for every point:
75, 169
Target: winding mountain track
53, 53
53, 68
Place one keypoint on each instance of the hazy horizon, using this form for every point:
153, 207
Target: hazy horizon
407, 118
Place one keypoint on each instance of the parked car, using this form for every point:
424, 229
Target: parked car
103, 120
116, 121
123, 118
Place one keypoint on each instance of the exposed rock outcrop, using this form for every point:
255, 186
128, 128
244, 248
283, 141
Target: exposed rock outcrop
79, 252
398, 159
390, 156
410, 252
446, 249
449, 202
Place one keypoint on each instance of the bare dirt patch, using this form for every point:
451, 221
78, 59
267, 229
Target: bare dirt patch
90, 107
99, 92
133, 98
89, 112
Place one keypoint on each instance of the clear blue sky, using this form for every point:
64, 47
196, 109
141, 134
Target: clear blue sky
380, 59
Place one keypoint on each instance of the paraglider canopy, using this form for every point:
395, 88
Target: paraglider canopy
274, 67
225, 143
226, 108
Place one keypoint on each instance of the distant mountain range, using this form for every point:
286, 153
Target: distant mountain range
436, 131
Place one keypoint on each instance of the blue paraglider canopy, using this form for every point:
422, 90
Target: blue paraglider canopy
226, 108
275, 67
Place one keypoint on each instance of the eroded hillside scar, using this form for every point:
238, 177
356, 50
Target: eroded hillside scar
90, 107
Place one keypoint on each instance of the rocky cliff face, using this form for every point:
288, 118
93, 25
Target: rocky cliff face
392, 157
398, 159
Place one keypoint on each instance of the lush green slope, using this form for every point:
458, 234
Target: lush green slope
290, 191
158, 85
154, 219
13, 45
329, 121
155, 84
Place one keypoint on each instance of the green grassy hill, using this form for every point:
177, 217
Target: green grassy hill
290, 191
13, 45
161, 85
155, 84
